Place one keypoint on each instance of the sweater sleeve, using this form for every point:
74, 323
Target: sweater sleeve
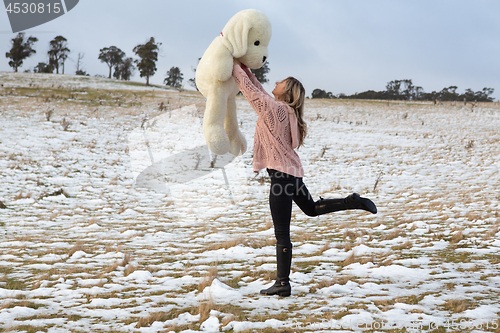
258, 99
258, 85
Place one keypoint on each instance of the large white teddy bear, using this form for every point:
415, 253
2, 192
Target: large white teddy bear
245, 37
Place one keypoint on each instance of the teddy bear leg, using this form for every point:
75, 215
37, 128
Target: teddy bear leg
238, 143
213, 126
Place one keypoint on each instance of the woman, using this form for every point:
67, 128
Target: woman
281, 129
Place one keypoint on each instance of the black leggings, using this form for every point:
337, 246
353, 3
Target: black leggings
284, 189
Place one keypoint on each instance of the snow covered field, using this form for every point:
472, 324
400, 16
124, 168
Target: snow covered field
89, 244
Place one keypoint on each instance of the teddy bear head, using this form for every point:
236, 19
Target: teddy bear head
247, 35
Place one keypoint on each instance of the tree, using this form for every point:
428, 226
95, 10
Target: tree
409, 90
369, 94
469, 95
419, 91
149, 56
21, 49
52, 63
192, 81
449, 94
320, 93
43, 68
484, 95
58, 52
260, 73
432, 96
174, 78
112, 56
124, 69
393, 89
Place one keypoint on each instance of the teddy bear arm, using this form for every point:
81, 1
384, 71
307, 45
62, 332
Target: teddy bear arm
222, 68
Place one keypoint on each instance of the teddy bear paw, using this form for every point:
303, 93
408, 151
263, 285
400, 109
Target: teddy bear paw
218, 147
238, 145
216, 139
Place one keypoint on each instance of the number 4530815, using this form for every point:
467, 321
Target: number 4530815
33, 8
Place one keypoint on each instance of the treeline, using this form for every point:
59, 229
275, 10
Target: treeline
405, 90
120, 66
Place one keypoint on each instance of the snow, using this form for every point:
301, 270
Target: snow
392, 272
34, 80
210, 325
221, 293
140, 276
147, 234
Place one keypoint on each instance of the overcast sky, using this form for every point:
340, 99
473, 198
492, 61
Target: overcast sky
338, 46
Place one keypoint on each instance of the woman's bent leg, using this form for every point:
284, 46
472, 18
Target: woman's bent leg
303, 199
353, 201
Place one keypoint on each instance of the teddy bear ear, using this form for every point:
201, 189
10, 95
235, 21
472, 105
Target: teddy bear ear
235, 36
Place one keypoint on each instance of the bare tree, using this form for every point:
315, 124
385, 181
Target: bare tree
79, 68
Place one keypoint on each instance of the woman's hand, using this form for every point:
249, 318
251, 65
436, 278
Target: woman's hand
246, 70
243, 67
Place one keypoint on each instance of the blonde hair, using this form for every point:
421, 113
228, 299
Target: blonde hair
294, 95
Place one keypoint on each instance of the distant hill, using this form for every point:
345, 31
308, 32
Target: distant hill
41, 80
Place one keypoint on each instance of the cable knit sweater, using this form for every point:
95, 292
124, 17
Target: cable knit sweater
276, 133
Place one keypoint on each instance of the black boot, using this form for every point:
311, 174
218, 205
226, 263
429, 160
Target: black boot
353, 201
282, 285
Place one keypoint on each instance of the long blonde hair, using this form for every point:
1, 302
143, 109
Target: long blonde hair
294, 95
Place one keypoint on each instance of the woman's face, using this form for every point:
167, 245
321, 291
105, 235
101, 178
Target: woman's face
279, 88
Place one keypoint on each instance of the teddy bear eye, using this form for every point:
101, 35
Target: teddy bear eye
256, 43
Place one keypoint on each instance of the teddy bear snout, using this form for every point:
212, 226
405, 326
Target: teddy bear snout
264, 59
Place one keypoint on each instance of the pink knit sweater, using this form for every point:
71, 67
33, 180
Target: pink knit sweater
276, 133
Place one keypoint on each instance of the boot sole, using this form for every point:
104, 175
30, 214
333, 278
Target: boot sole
282, 294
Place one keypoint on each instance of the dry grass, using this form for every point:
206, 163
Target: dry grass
324, 248
325, 283
204, 309
164, 316
129, 269
457, 237
493, 230
147, 321
255, 274
456, 305
65, 124
405, 246
268, 224
209, 277
304, 236
350, 234
394, 234
227, 319
126, 259
23, 195
114, 181
347, 233
15, 284
77, 247
350, 260
244, 241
